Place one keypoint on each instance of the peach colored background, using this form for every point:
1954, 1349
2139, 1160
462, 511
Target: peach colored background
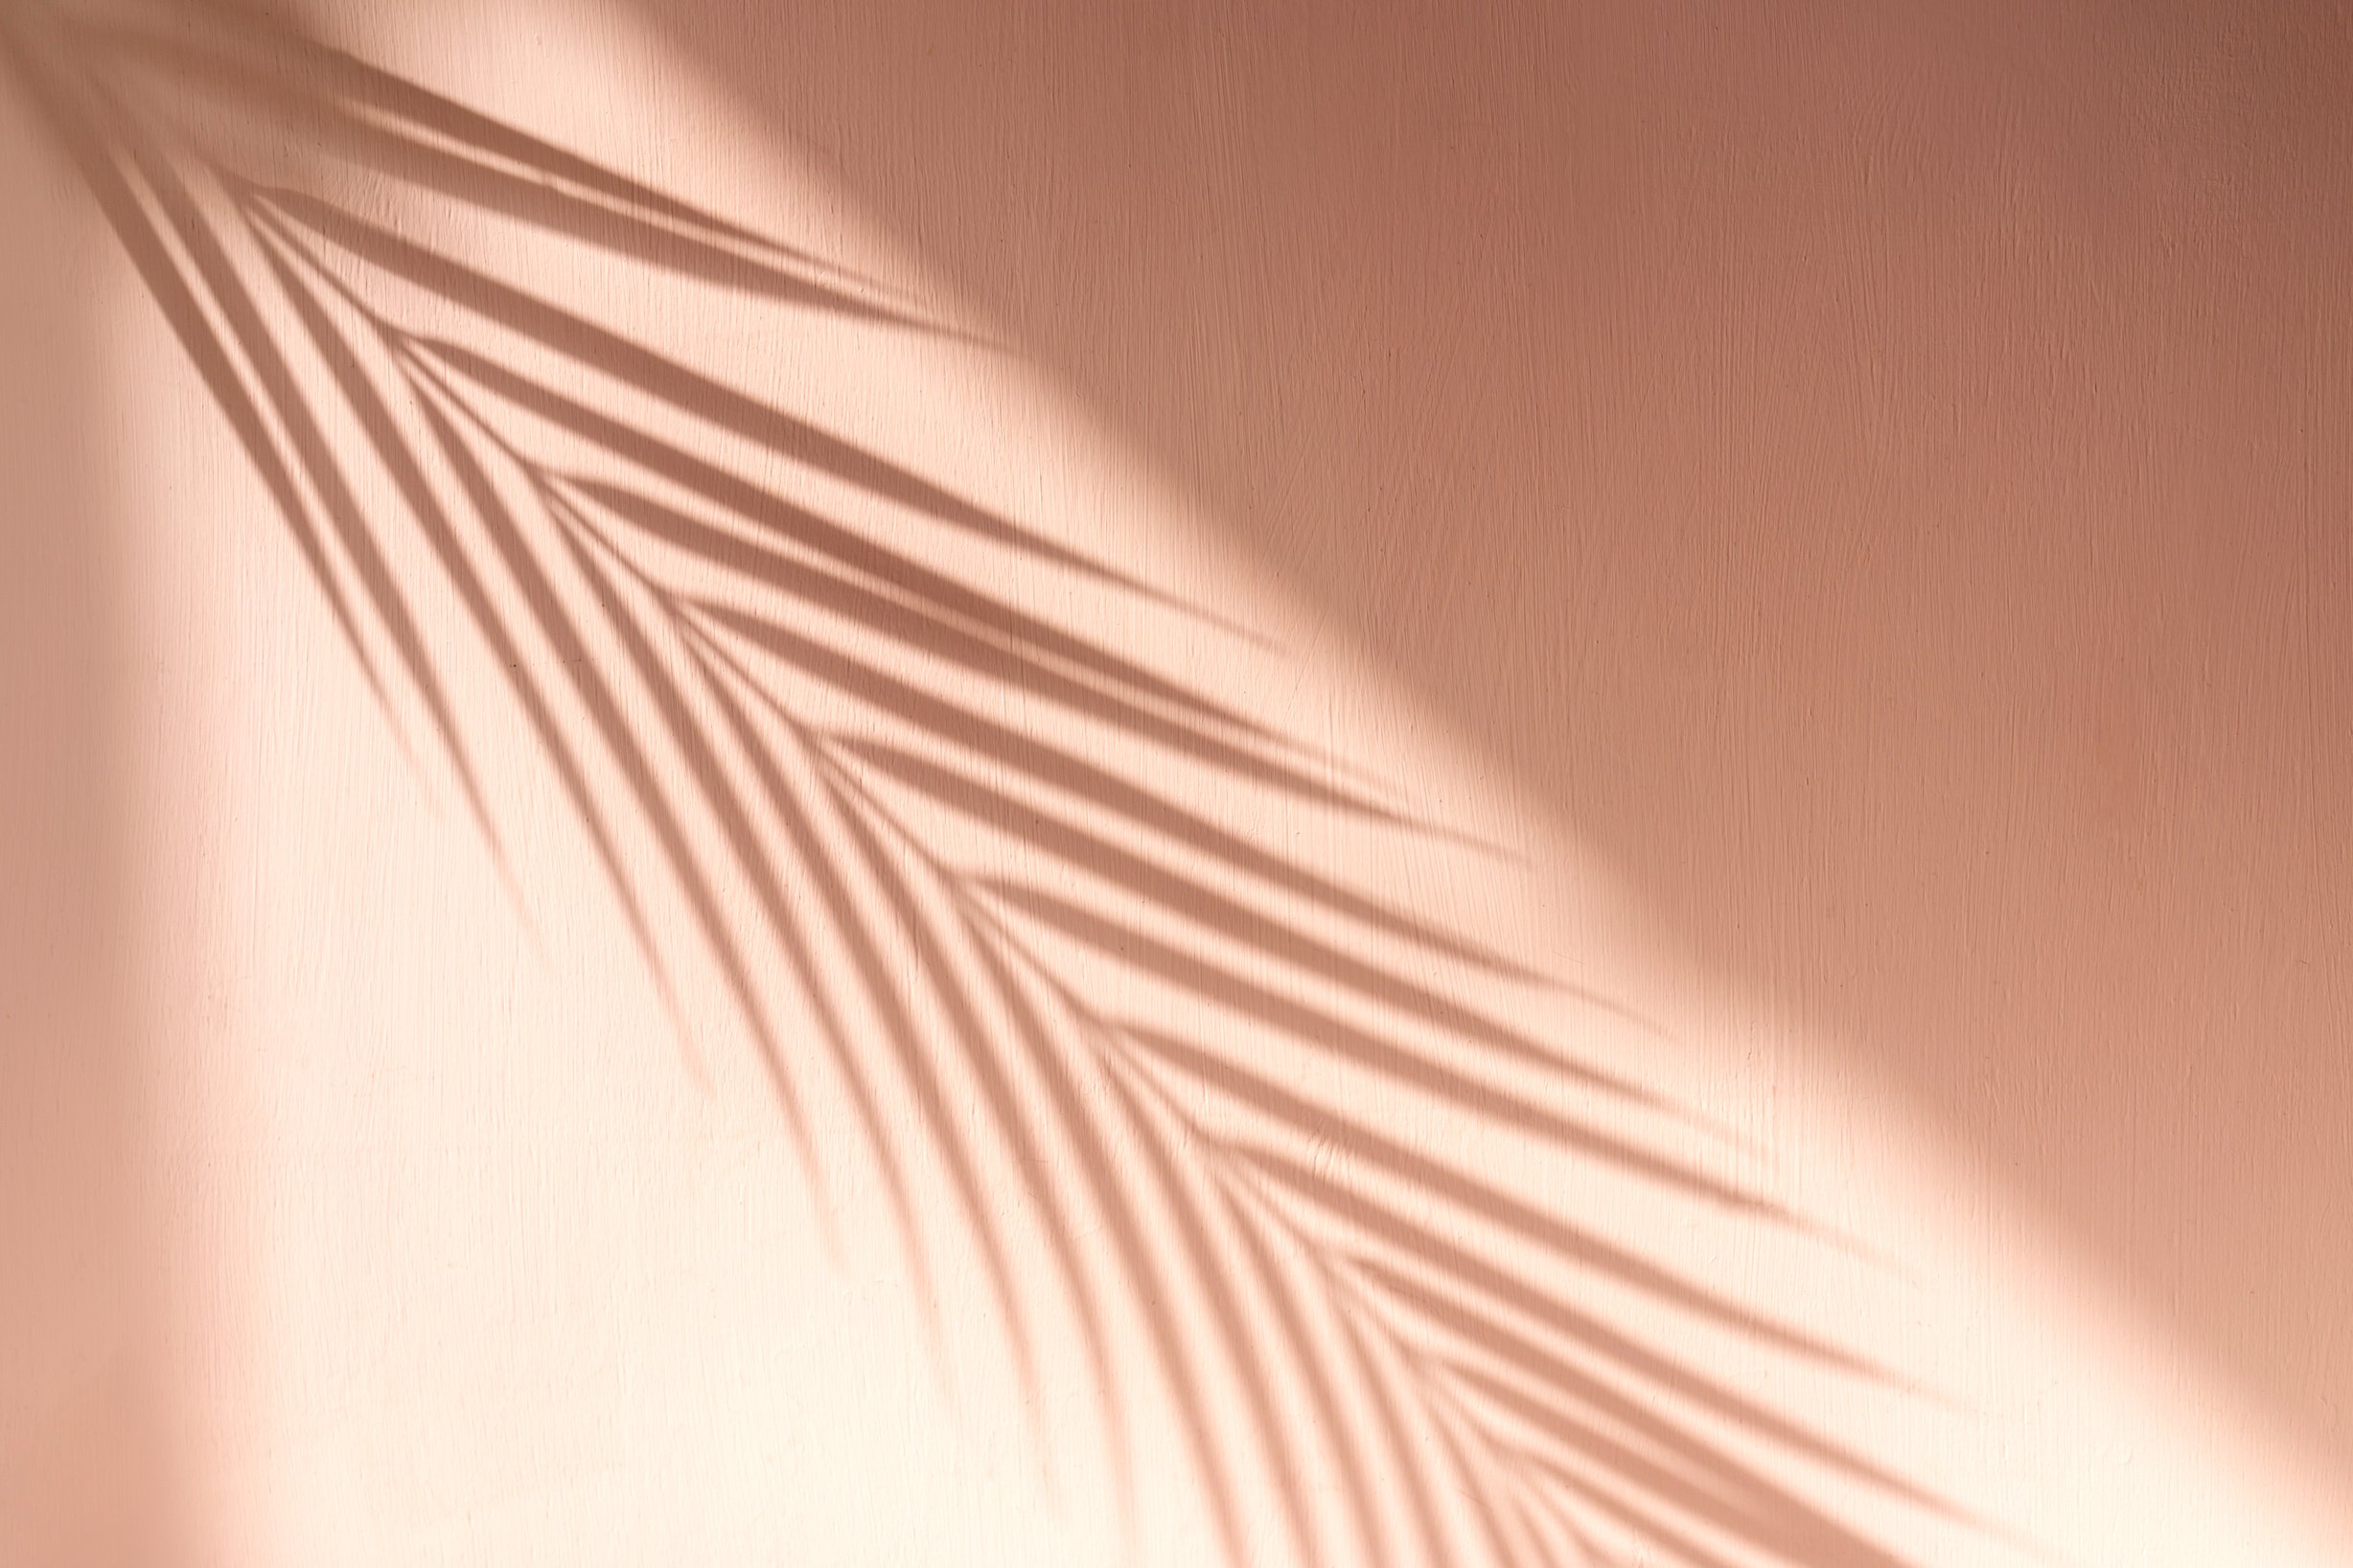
1857, 494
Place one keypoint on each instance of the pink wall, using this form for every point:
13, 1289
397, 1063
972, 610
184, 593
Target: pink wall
84, 1473
1878, 472
1851, 497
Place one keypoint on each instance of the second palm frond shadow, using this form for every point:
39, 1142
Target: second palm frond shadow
950, 813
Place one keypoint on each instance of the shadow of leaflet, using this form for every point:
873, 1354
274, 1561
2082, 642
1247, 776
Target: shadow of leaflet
731, 685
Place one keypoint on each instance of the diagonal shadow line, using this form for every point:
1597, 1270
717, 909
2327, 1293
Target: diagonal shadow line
1100, 1168
914, 1060
944, 642
1546, 1370
1233, 1199
1324, 1032
1241, 1198
878, 985
1476, 1482
1152, 883
939, 640
1787, 1522
1772, 1521
343, 509
1248, 1362
555, 623
483, 497
1612, 1499
1482, 1277
1340, 1439
1150, 1285
808, 846
659, 377
1213, 1279
1397, 1437
807, 529
217, 26
185, 315
1559, 1238
711, 782
480, 183
1820, 1532
956, 723
1242, 1353
1565, 1379
1481, 1485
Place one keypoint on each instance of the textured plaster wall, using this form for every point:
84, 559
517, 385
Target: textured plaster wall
1875, 473
1853, 499
79, 1304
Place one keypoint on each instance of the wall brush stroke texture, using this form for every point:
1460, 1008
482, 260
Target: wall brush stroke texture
837, 974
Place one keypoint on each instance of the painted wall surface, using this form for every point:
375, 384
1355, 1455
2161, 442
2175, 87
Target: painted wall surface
1821, 529
80, 1313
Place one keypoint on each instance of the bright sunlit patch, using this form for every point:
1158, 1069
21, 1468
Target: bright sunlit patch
1092, 1069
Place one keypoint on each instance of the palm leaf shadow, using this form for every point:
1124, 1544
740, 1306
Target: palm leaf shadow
735, 688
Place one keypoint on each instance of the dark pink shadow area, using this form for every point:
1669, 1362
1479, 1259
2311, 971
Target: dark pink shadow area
1881, 475
83, 1477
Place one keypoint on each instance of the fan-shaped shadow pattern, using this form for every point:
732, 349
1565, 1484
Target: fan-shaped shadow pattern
912, 820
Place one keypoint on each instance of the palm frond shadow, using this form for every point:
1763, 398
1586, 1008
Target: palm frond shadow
947, 815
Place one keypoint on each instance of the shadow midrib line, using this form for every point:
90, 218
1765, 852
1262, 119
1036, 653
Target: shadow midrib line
1240, 1248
